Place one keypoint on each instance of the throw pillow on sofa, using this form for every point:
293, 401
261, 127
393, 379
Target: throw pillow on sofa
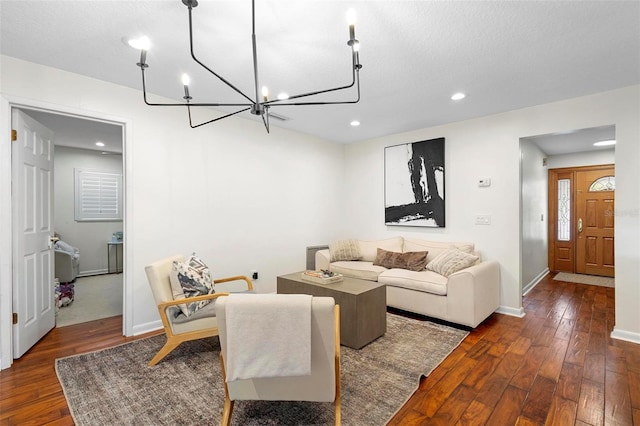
450, 261
369, 249
413, 260
344, 250
189, 279
435, 247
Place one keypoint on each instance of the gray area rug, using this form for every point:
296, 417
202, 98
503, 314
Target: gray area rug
585, 279
115, 385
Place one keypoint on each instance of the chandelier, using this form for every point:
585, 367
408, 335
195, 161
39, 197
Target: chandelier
260, 103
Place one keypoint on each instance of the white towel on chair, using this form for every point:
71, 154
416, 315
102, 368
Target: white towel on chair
268, 335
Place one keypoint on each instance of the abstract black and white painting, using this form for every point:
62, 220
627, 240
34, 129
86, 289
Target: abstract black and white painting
414, 184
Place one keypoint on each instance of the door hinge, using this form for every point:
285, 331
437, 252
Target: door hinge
14, 135
15, 318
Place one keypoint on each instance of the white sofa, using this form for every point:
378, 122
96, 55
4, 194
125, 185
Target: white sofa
466, 297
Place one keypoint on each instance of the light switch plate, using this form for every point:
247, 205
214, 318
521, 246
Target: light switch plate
484, 182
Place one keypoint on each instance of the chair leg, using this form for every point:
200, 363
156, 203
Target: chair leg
227, 412
337, 402
164, 351
228, 403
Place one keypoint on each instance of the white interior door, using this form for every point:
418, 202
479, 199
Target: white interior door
32, 196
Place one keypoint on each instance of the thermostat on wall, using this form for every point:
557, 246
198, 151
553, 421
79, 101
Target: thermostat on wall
484, 182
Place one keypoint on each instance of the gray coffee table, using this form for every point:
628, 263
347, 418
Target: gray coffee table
363, 305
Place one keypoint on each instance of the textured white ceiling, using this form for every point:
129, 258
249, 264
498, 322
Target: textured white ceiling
81, 133
578, 140
505, 54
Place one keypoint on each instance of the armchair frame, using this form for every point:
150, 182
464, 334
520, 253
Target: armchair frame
175, 339
229, 403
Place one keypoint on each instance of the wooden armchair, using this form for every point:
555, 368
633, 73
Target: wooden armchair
323, 383
179, 328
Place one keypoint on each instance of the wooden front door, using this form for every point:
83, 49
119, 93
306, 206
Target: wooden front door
595, 222
581, 220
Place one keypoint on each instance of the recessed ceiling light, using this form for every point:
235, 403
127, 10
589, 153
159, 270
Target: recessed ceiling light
99, 143
283, 96
458, 96
355, 123
605, 143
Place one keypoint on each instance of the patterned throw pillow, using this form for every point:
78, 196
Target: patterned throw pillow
450, 261
344, 250
189, 279
412, 260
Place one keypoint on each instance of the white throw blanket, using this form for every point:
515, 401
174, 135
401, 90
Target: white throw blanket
268, 335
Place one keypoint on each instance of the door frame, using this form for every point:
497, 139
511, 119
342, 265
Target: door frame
552, 214
7, 104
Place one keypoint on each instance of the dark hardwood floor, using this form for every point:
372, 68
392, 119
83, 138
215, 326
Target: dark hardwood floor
555, 366
30, 393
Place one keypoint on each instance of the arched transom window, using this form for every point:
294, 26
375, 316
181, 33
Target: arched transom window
605, 183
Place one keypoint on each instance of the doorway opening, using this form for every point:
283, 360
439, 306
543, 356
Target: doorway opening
581, 220
563, 150
85, 244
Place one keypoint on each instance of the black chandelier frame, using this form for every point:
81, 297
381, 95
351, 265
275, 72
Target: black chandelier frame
257, 106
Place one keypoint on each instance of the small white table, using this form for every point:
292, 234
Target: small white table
118, 248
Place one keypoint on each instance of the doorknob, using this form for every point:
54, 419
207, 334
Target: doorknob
579, 225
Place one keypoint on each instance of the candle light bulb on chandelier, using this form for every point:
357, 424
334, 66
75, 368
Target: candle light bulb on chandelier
351, 20
185, 82
142, 43
351, 17
265, 93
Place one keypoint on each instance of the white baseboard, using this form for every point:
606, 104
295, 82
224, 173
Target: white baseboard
90, 273
147, 327
514, 312
628, 336
527, 288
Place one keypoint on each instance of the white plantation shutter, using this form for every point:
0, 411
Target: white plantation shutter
98, 195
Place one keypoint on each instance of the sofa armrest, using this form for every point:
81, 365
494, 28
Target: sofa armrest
322, 259
474, 293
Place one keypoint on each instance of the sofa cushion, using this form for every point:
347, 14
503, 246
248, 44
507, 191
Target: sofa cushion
189, 279
411, 260
425, 281
344, 250
435, 247
357, 269
369, 249
450, 261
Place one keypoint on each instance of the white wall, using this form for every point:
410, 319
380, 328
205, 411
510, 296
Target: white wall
474, 149
489, 147
591, 158
533, 209
241, 198
89, 237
